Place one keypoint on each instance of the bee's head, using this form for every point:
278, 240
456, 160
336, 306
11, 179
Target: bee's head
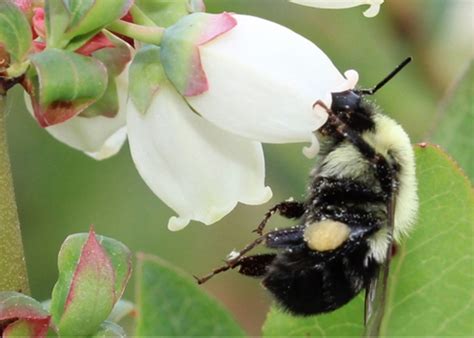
353, 110
351, 107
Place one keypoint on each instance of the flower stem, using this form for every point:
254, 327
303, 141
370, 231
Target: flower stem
13, 275
147, 34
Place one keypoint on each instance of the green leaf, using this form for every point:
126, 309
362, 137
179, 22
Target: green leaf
146, 77
56, 98
345, 322
30, 319
15, 39
115, 59
164, 13
170, 304
433, 270
454, 125
430, 283
93, 272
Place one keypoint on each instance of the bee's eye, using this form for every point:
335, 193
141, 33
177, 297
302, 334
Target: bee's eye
345, 101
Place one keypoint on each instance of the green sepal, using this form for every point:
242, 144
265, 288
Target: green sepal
91, 15
146, 76
180, 53
56, 99
15, 40
93, 272
164, 13
79, 41
57, 20
70, 23
115, 59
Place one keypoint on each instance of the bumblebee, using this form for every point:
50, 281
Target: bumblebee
362, 195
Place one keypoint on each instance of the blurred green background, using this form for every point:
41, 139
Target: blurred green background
61, 191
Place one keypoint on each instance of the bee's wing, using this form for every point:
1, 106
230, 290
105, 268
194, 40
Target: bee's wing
376, 291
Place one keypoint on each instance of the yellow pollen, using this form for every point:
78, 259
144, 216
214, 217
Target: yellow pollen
326, 235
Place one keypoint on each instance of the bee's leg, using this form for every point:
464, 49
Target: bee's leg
288, 209
286, 238
256, 265
274, 239
232, 261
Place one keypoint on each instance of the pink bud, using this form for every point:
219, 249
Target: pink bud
38, 23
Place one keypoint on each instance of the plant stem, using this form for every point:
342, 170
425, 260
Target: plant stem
13, 275
147, 34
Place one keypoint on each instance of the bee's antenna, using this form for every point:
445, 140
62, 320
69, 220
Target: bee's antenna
379, 85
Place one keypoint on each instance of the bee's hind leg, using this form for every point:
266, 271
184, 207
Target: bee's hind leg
256, 265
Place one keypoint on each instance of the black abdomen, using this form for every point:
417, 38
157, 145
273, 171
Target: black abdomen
306, 283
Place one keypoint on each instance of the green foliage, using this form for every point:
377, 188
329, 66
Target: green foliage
169, 304
431, 276
454, 126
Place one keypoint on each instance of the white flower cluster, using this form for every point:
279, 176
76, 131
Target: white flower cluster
202, 154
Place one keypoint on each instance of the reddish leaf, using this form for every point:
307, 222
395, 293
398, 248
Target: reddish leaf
27, 328
28, 316
56, 99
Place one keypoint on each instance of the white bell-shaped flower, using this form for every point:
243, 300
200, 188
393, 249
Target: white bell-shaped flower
250, 76
196, 168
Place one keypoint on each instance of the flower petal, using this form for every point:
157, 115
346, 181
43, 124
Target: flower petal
99, 137
337, 4
198, 170
264, 80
